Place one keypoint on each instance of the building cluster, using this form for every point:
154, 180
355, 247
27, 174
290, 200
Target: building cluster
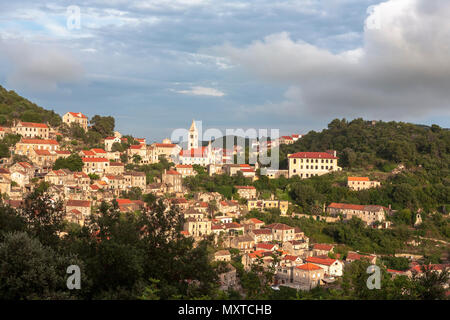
104, 177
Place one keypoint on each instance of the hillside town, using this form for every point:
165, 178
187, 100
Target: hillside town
107, 176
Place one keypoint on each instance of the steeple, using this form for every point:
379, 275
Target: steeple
193, 137
193, 127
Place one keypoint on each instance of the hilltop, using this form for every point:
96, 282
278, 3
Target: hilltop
378, 145
13, 106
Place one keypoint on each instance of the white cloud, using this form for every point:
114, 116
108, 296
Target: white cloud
402, 69
202, 91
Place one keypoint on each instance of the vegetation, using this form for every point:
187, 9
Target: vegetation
13, 106
72, 162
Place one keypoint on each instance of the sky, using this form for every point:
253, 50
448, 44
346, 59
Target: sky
292, 65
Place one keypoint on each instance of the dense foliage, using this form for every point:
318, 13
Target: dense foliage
73, 162
13, 106
121, 256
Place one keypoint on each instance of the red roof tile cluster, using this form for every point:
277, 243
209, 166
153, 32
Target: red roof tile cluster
312, 155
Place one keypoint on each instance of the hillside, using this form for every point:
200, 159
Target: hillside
13, 106
380, 146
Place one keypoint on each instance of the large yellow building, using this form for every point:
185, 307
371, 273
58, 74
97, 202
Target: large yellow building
26, 147
32, 130
72, 117
309, 164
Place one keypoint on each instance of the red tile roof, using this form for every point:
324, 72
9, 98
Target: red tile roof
255, 221
173, 172
279, 226
323, 246
78, 203
78, 115
346, 206
322, 261
96, 150
42, 152
266, 246
39, 141
117, 164
184, 166
95, 160
88, 152
308, 267
261, 231
25, 165
165, 145
312, 155
33, 125
123, 201
358, 179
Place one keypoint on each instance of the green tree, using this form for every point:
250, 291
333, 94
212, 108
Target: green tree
103, 125
29, 270
73, 162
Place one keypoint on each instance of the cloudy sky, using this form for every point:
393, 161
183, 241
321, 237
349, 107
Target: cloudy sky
293, 65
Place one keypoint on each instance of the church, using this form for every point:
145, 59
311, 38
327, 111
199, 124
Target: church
195, 154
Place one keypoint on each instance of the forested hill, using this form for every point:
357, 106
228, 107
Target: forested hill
13, 106
379, 145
